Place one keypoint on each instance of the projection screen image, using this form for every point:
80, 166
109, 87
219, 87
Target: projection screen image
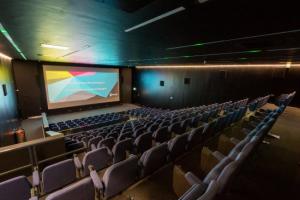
77, 86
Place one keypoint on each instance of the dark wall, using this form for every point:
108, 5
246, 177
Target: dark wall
27, 80
31, 93
8, 106
126, 85
209, 85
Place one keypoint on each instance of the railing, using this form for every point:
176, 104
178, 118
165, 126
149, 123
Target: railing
31, 146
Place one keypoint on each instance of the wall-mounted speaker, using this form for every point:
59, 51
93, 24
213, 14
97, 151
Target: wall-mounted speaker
4, 90
187, 81
162, 83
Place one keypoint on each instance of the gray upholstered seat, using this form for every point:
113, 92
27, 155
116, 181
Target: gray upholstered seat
162, 135
58, 175
153, 159
177, 146
107, 142
98, 158
117, 177
120, 150
17, 188
143, 142
81, 190
215, 172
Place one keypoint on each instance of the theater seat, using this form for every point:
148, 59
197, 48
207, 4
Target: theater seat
107, 142
17, 188
153, 159
56, 176
162, 135
177, 146
143, 143
116, 178
120, 149
99, 158
81, 190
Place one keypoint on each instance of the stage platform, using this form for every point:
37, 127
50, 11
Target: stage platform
33, 126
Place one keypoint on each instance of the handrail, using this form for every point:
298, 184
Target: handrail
15, 170
62, 155
28, 144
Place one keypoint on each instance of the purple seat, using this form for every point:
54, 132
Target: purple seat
162, 135
17, 188
176, 128
177, 146
99, 159
195, 137
123, 136
92, 143
107, 142
143, 143
58, 175
117, 177
81, 190
120, 149
153, 159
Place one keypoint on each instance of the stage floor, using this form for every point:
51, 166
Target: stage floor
33, 127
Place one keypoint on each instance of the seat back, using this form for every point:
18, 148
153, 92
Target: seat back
120, 149
120, 176
143, 142
81, 190
58, 175
195, 137
225, 178
107, 142
210, 192
177, 146
17, 188
94, 141
99, 158
193, 192
153, 159
162, 134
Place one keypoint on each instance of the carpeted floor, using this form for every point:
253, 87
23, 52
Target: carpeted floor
273, 171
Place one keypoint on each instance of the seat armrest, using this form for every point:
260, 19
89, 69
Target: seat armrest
77, 162
234, 140
96, 181
93, 147
35, 178
218, 155
192, 178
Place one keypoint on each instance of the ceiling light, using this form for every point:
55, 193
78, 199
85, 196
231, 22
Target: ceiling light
12, 42
167, 14
288, 65
5, 56
50, 46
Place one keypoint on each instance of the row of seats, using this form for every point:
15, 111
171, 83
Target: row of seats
88, 122
151, 160
219, 179
209, 120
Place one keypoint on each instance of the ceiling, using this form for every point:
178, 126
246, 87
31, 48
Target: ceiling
94, 31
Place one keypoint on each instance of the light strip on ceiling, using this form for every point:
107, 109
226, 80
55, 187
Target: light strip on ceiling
284, 65
5, 56
51, 46
234, 39
7, 36
167, 14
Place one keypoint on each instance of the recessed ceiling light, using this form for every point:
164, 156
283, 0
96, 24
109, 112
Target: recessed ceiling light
12, 42
50, 46
167, 14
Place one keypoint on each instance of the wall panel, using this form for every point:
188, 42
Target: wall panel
210, 85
